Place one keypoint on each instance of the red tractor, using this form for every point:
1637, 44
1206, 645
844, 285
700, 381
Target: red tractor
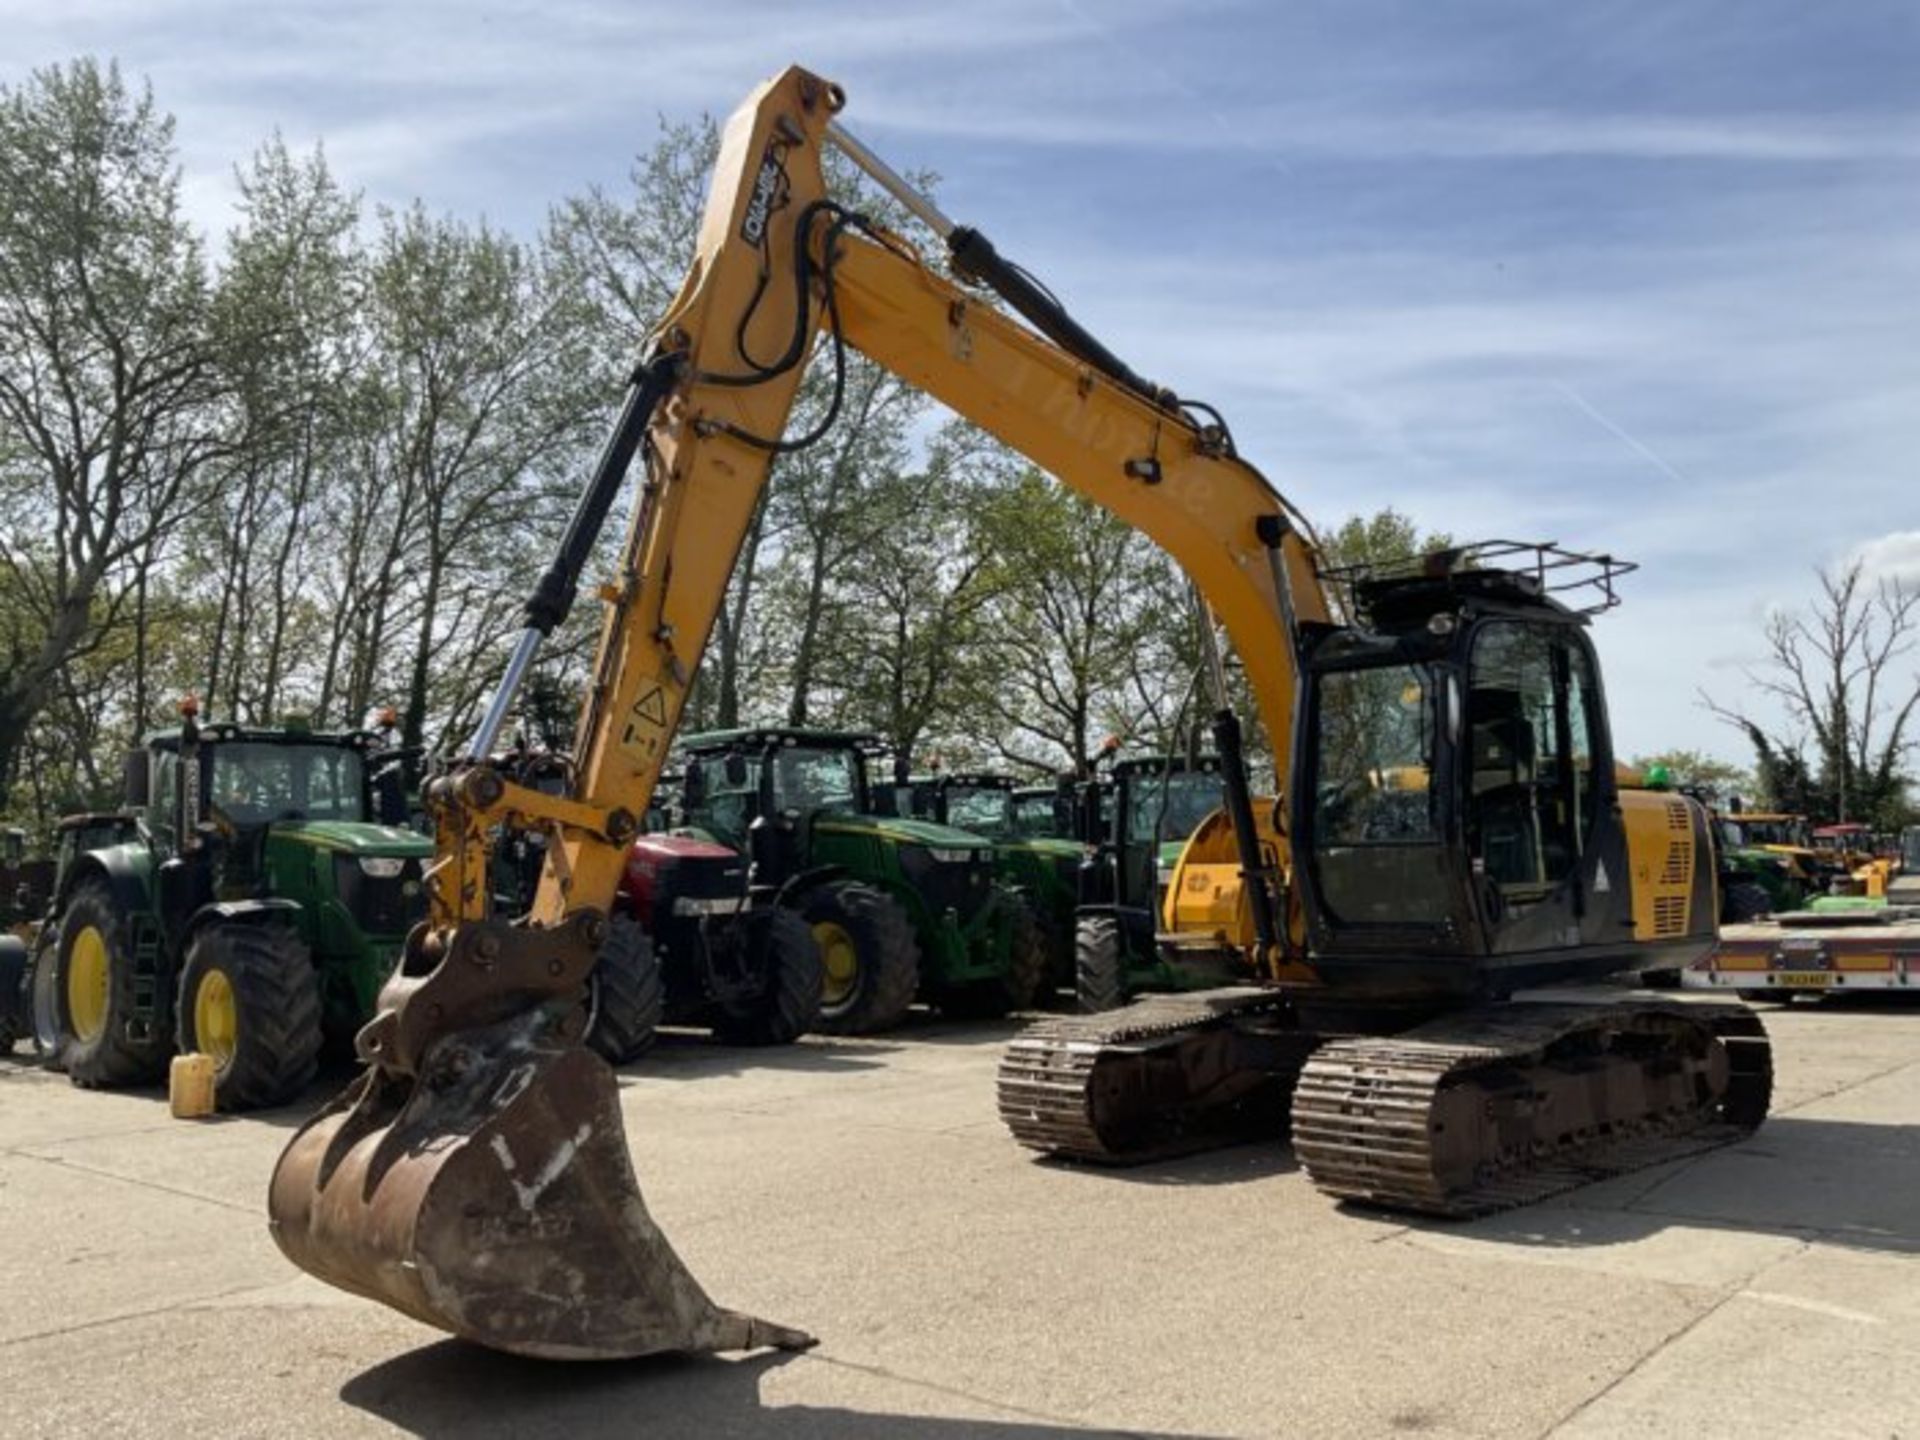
707, 954
689, 944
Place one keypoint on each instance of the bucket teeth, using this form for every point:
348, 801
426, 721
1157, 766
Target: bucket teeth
494, 1197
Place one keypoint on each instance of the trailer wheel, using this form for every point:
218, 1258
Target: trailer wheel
625, 994
96, 999
1099, 965
869, 957
790, 1004
249, 1000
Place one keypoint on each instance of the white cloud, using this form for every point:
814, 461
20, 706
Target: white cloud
1894, 556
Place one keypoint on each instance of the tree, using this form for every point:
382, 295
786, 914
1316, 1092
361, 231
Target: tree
481, 416
287, 311
1784, 781
915, 606
1384, 540
113, 399
1841, 669
1072, 604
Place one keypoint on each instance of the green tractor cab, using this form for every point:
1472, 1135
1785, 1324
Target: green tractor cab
900, 907
1043, 866
1143, 810
1049, 812
252, 908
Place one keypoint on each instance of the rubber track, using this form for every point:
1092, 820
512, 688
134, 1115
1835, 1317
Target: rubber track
1048, 1088
1362, 1107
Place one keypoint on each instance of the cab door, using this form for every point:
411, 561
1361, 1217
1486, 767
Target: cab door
1534, 757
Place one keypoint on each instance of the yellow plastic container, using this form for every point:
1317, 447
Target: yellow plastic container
190, 1086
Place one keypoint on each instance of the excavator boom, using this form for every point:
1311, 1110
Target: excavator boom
475, 1175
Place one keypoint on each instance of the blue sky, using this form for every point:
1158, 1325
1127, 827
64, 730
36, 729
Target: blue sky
1641, 277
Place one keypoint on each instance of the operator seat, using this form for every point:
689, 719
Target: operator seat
1504, 826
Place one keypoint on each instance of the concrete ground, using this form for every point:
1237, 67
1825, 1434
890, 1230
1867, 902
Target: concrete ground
865, 1191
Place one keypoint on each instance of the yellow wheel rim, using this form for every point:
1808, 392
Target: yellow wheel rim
89, 970
840, 960
216, 1018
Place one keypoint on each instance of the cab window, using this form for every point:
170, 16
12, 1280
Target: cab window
719, 805
162, 797
1377, 850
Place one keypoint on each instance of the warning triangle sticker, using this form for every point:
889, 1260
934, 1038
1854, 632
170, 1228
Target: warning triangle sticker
1601, 885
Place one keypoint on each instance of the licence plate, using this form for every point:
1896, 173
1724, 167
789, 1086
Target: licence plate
1805, 979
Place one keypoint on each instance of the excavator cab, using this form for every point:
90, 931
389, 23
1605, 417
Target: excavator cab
1457, 820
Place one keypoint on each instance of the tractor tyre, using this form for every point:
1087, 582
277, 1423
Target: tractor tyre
626, 995
1743, 902
96, 999
870, 960
16, 992
43, 997
790, 1005
1100, 981
249, 999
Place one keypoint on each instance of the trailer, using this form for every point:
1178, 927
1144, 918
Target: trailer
1807, 952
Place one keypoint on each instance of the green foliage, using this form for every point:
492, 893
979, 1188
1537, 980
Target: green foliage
112, 400
1075, 614
1383, 540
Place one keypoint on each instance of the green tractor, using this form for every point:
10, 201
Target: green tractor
1142, 812
252, 910
1043, 866
900, 907
1755, 879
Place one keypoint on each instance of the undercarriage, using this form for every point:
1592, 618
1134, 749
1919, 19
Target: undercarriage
1474, 1110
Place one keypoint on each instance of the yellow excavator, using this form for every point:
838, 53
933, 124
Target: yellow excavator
1443, 829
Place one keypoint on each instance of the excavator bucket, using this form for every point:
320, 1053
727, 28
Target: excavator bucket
492, 1195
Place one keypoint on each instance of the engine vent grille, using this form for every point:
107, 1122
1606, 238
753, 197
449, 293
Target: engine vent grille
1679, 867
